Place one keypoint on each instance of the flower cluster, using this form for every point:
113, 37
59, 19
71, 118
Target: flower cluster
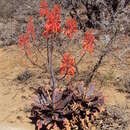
88, 43
53, 26
24, 39
53, 20
31, 28
70, 27
67, 66
43, 8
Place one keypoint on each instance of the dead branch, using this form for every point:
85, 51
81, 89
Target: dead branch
102, 56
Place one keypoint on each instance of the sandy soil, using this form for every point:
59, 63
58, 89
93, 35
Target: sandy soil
13, 99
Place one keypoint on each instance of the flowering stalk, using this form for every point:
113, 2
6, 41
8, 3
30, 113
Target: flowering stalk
52, 79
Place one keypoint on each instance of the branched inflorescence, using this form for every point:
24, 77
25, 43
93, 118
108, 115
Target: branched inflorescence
53, 108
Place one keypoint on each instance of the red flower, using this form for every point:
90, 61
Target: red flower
43, 8
88, 43
30, 28
23, 42
53, 22
24, 39
67, 66
70, 27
